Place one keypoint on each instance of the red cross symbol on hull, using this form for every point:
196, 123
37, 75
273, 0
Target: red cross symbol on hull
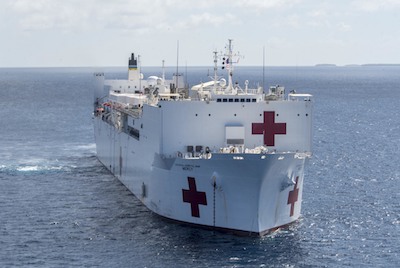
293, 197
194, 197
269, 128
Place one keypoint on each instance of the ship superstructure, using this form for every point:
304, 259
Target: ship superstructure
220, 155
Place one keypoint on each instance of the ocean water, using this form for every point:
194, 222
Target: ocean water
59, 207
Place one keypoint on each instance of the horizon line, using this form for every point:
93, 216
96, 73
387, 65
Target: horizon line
204, 66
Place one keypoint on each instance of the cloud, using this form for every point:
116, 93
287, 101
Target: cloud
87, 15
134, 15
209, 5
206, 18
264, 4
327, 17
47, 14
375, 5
320, 13
344, 27
29, 6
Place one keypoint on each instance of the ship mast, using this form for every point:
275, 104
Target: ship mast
230, 67
263, 83
140, 72
215, 70
163, 71
177, 66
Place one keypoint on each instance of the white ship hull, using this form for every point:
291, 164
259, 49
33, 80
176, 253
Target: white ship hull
246, 193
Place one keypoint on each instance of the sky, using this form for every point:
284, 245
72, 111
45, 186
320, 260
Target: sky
91, 33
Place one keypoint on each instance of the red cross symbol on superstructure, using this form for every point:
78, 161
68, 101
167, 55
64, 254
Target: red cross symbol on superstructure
293, 197
269, 128
194, 197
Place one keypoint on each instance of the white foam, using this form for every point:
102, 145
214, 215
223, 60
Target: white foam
28, 168
78, 149
38, 168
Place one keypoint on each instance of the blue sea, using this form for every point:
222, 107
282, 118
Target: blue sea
59, 207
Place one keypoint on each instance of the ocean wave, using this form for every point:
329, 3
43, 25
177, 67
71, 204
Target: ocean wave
35, 168
38, 165
89, 147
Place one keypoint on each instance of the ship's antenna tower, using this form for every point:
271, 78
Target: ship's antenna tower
263, 82
140, 72
228, 61
215, 69
163, 70
177, 67
186, 75
230, 65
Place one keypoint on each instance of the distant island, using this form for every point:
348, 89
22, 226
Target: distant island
325, 65
353, 65
381, 64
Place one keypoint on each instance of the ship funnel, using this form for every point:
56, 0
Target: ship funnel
133, 70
